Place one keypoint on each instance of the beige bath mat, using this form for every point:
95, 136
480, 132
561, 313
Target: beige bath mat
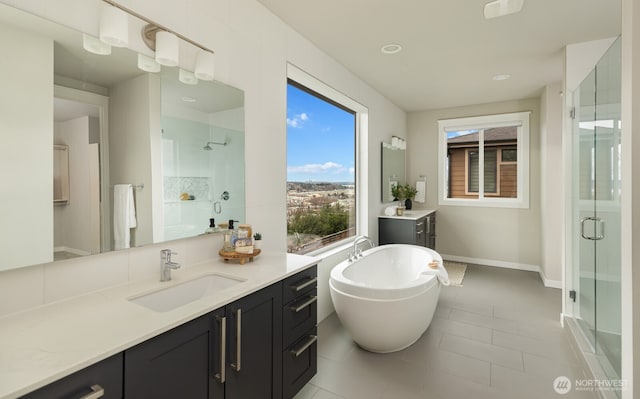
456, 272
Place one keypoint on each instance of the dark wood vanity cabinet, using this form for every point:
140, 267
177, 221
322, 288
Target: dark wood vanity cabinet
188, 361
257, 347
300, 318
421, 231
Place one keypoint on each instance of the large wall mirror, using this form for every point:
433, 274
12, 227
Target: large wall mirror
393, 169
86, 128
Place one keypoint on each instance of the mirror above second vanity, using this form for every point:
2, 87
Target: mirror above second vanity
393, 167
178, 146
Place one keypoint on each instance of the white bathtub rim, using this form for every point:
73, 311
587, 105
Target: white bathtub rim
430, 284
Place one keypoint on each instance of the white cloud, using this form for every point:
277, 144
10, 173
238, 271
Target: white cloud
352, 170
298, 120
316, 168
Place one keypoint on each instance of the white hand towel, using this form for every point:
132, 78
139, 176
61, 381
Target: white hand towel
421, 186
124, 215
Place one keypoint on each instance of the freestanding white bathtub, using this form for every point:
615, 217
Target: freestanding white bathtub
387, 298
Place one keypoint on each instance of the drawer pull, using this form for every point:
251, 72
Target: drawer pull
96, 392
297, 352
304, 285
303, 305
221, 377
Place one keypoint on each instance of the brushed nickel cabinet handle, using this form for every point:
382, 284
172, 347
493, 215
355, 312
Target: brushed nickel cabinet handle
96, 392
221, 376
303, 305
297, 352
237, 364
304, 285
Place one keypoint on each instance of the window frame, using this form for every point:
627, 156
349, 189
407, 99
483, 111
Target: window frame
519, 119
339, 99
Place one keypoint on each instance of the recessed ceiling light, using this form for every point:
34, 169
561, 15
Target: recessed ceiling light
391, 48
188, 99
501, 77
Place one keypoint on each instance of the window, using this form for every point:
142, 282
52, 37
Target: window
322, 142
485, 160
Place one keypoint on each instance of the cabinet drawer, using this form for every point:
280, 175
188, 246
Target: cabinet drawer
299, 284
105, 375
299, 316
299, 363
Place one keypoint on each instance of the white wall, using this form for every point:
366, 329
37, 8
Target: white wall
496, 236
73, 227
130, 153
551, 185
26, 122
630, 197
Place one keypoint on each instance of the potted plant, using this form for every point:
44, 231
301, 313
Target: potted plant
397, 191
257, 240
410, 193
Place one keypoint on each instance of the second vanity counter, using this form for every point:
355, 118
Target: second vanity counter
45, 344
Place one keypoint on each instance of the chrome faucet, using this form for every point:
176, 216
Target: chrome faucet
357, 252
166, 264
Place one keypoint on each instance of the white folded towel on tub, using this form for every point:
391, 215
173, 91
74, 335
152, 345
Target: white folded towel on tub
440, 272
124, 215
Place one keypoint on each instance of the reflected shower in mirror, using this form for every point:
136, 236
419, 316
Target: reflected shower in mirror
120, 126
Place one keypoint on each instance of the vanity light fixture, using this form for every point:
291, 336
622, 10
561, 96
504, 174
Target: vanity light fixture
187, 77
114, 26
167, 48
95, 45
205, 65
148, 64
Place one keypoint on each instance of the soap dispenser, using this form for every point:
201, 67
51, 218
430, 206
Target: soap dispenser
212, 226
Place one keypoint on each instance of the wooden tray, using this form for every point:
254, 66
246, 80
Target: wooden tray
233, 255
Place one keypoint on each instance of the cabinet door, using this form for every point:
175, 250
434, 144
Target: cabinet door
396, 231
254, 345
177, 364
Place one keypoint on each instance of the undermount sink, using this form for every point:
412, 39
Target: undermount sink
166, 299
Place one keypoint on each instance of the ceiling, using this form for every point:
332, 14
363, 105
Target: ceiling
450, 52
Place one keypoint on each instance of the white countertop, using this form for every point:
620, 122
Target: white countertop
47, 343
413, 214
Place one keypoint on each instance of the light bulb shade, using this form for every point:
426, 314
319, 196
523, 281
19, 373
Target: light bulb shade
148, 64
187, 77
94, 45
205, 65
167, 48
114, 26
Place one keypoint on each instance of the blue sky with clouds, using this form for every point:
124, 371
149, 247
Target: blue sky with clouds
320, 139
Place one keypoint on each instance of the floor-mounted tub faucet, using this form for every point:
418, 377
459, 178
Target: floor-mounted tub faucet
166, 264
357, 252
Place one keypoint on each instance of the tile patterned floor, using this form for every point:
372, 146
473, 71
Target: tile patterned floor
498, 336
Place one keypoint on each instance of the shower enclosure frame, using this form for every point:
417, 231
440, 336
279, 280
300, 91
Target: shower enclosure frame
592, 302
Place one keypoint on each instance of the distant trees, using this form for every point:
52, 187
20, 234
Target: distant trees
329, 219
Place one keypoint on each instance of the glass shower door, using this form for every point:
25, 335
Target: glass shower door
596, 206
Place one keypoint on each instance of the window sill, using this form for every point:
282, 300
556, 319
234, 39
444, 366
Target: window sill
486, 203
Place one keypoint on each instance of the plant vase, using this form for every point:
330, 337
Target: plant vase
408, 203
257, 244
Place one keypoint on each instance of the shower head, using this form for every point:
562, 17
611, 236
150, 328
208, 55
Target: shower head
208, 145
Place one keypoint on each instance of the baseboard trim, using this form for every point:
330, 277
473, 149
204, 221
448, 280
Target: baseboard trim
492, 262
506, 265
71, 250
550, 283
